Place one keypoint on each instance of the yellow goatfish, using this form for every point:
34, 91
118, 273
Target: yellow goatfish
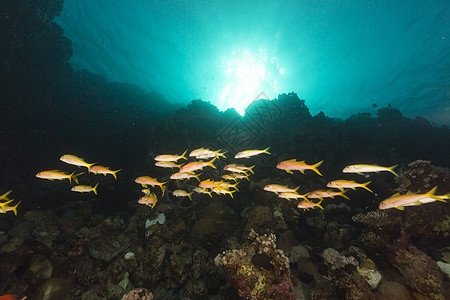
167, 164
360, 169
326, 194
104, 170
6, 208
5, 195
230, 167
292, 165
233, 168
173, 158
4, 205
290, 195
58, 175
149, 200
411, 199
276, 188
197, 165
146, 192
202, 153
183, 176
307, 205
182, 193
85, 189
209, 184
219, 190
76, 161
202, 191
146, 180
235, 177
228, 186
348, 184
250, 153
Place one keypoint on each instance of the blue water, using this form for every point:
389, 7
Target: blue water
341, 56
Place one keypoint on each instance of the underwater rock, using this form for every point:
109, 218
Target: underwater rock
369, 271
12, 245
160, 219
259, 217
334, 260
53, 289
138, 294
40, 267
287, 240
337, 236
421, 273
445, 267
421, 176
259, 270
296, 253
194, 289
92, 295
129, 255
307, 270
392, 290
107, 248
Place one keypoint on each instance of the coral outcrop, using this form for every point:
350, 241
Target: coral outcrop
259, 270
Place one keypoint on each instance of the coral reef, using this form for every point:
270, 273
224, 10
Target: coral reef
421, 273
259, 270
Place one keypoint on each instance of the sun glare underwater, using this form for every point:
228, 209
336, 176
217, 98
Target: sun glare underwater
341, 57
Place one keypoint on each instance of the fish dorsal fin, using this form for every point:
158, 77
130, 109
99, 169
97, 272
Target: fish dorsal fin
395, 195
292, 159
410, 193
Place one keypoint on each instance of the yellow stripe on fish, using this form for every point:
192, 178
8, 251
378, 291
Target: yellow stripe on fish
348, 184
360, 169
411, 199
58, 175
250, 153
76, 161
168, 157
85, 189
293, 164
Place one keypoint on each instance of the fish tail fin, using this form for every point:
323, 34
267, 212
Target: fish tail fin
305, 196
75, 176
344, 195
318, 204
114, 173
184, 154
14, 208
235, 186
197, 177
5, 195
267, 150
154, 202
220, 154
231, 193
94, 189
314, 167
211, 163
163, 188
89, 166
391, 169
190, 196
364, 186
4, 204
432, 195
251, 169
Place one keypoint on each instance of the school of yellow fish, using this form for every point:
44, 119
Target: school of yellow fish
229, 182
